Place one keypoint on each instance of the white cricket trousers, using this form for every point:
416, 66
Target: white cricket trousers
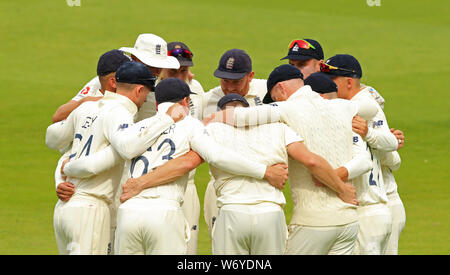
210, 209
151, 227
322, 240
191, 210
375, 226
258, 229
82, 226
398, 214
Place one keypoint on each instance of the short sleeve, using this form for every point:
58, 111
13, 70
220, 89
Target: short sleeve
290, 136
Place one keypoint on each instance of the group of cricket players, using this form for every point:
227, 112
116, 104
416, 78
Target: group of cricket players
133, 136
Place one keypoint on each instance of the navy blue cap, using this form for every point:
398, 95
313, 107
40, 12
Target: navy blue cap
171, 89
345, 65
279, 74
234, 64
321, 83
231, 98
110, 61
135, 73
297, 50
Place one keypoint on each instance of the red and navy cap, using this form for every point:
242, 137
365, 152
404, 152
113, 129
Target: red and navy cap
304, 49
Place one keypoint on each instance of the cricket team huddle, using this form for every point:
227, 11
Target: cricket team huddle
132, 138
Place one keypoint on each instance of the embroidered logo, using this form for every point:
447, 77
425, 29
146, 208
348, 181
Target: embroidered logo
295, 48
230, 63
158, 49
122, 127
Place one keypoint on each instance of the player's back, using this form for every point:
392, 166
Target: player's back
90, 138
265, 144
172, 143
326, 127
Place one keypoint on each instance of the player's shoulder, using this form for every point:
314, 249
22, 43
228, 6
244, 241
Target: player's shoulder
260, 86
259, 82
196, 87
92, 88
374, 94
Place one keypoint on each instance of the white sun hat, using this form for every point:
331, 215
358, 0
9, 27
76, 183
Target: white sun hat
152, 51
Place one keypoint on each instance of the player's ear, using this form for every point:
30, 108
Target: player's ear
138, 89
349, 83
250, 76
112, 83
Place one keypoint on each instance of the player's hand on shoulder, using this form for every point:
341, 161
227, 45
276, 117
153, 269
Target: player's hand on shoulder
277, 175
177, 112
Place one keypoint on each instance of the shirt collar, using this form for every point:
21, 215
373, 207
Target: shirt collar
121, 99
303, 91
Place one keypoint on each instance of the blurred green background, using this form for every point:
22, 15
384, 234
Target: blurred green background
49, 50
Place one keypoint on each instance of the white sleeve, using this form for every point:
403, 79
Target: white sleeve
257, 115
290, 136
89, 89
221, 157
58, 176
60, 134
379, 135
365, 108
88, 166
360, 162
131, 140
391, 160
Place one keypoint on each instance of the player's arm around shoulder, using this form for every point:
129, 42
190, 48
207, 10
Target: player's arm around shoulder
87, 93
391, 160
360, 162
61, 134
322, 171
93, 164
379, 136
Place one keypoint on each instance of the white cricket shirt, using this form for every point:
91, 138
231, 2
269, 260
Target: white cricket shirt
177, 140
93, 127
92, 88
266, 144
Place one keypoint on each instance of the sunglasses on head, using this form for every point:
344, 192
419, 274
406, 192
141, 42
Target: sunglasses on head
301, 44
326, 68
179, 52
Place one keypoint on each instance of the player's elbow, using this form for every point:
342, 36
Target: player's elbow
312, 162
191, 161
50, 140
57, 117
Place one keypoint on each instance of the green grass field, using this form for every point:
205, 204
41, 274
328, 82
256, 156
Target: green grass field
49, 50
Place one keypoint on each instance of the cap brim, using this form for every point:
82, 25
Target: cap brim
297, 57
227, 75
267, 98
187, 63
166, 62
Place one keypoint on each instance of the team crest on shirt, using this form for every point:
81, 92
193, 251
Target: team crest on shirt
258, 101
230, 63
122, 127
